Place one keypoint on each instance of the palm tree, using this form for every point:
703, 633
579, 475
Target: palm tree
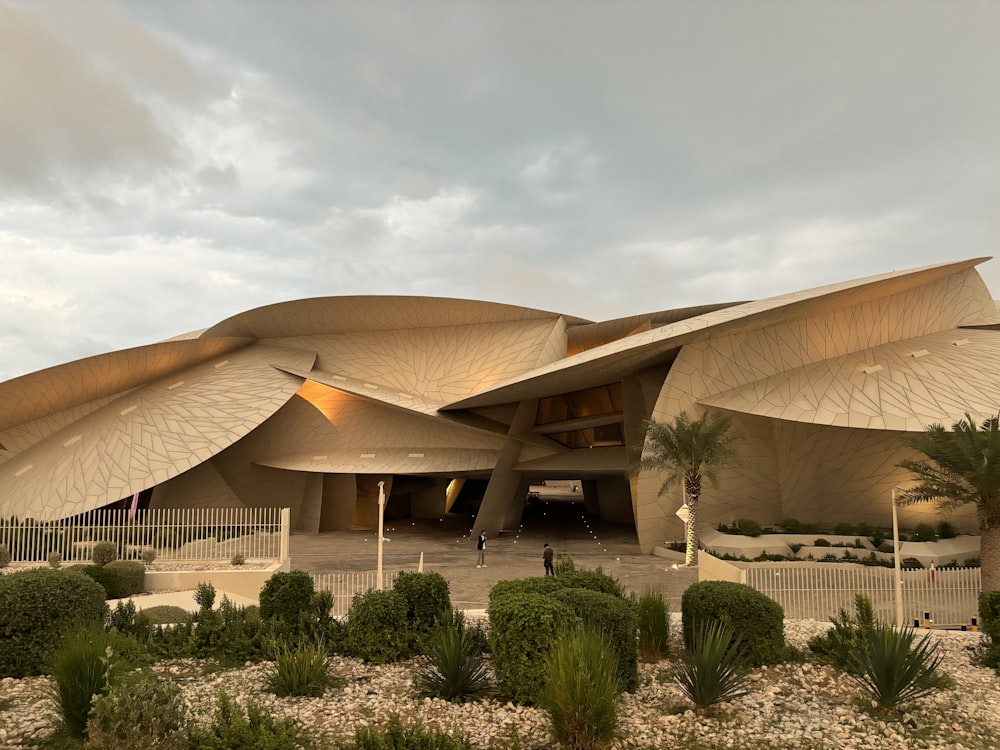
962, 466
687, 450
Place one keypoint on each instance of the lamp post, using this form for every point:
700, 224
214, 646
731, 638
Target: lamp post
895, 556
381, 515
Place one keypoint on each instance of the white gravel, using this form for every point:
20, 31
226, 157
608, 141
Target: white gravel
790, 706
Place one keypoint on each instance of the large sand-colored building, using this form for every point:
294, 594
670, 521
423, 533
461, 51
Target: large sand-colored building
310, 404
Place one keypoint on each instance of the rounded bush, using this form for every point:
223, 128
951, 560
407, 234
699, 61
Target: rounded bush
595, 580
286, 595
544, 585
127, 578
101, 575
747, 527
924, 532
36, 607
428, 603
376, 627
616, 619
760, 621
523, 627
148, 555
54, 559
103, 553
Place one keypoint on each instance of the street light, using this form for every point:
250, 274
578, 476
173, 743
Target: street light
381, 515
895, 556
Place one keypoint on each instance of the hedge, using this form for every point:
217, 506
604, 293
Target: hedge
428, 600
36, 607
127, 578
760, 620
376, 627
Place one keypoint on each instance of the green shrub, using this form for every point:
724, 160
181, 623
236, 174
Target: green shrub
103, 553
127, 578
564, 564
237, 560
758, 619
848, 636
595, 580
230, 634
138, 712
654, 626
924, 532
122, 617
428, 602
877, 538
616, 619
582, 690
250, 728
148, 555
821, 542
454, 667
54, 559
523, 627
845, 529
793, 526
911, 563
946, 531
394, 736
300, 670
204, 595
284, 597
892, 671
36, 607
747, 527
711, 668
376, 627
4, 556
989, 614
865, 529
166, 614
544, 585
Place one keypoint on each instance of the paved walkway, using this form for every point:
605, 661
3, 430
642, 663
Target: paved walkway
449, 548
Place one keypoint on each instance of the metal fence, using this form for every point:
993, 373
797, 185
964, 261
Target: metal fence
344, 586
819, 590
176, 534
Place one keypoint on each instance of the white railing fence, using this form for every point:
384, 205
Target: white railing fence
175, 534
344, 586
819, 590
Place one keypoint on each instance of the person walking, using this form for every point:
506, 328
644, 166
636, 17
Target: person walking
481, 546
547, 559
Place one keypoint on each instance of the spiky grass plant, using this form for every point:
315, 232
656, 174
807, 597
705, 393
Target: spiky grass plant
454, 667
582, 690
892, 671
654, 626
83, 665
711, 670
301, 670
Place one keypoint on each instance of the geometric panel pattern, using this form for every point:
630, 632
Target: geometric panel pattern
150, 434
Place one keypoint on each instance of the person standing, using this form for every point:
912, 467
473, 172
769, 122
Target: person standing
481, 546
547, 559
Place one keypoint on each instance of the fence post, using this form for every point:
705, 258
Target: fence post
286, 525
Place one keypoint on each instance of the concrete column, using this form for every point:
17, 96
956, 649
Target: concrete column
502, 505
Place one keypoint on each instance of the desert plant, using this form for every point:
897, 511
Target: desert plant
36, 607
582, 690
892, 671
845, 529
283, 599
122, 617
103, 553
848, 636
300, 670
564, 564
428, 600
594, 580
252, 727
821, 542
946, 531
613, 617
204, 595
865, 529
237, 560
4, 556
654, 626
710, 669
376, 627
84, 665
923, 532
454, 667
138, 712
394, 736
148, 555
127, 578
758, 619
748, 527
54, 559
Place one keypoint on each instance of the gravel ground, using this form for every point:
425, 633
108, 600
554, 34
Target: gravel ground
790, 706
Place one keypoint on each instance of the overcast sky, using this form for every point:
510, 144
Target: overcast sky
164, 165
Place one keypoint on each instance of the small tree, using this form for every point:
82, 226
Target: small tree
962, 465
689, 450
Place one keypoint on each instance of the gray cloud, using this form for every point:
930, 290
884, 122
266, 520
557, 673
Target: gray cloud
170, 164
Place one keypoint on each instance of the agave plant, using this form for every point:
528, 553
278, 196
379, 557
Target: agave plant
300, 670
892, 671
454, 667
711, 670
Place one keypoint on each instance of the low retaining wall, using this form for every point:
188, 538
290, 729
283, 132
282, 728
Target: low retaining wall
246, 583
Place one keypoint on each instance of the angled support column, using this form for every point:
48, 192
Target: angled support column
502, 504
